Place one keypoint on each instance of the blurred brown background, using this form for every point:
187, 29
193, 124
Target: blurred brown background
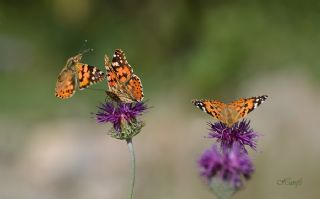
182, 50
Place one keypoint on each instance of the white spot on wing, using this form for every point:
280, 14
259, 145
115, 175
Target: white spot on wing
115, 64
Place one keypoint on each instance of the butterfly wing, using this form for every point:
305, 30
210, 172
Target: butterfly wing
116, 89
244, 106
135, 88
88, 75
212, 107
111, 74
66, 84
121, 66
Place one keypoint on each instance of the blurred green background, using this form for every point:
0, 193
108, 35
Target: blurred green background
52, 148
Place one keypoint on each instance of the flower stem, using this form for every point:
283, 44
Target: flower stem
133, 167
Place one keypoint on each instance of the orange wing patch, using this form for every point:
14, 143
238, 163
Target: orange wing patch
135, 87
121, 66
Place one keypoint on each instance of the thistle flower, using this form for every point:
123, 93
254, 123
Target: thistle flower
235, 164
240, 134
210, 163
123, 117
228, 167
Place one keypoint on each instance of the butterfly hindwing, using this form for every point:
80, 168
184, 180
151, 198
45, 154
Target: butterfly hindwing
66, 84
135, 87
113, 96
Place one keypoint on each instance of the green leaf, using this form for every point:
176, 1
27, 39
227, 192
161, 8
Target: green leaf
223, 190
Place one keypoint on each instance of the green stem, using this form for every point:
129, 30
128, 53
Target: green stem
133, 167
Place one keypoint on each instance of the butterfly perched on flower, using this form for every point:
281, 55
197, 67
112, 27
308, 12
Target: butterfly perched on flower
124, 86
76, 75
230, 113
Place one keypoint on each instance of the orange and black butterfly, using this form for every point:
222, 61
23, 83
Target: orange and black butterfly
76, 75
232, 112
124, 86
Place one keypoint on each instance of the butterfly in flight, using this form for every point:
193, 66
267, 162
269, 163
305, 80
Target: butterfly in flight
76, 75
124, 86
230, 113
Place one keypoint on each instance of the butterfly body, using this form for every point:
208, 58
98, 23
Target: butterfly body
76, 75
230, 113
124, 86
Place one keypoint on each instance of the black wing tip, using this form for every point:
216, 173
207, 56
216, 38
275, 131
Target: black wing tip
260, 97
197, 103
194, 101
263, 97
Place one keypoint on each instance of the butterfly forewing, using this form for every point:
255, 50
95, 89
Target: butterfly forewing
245, 106
212, 107
88, 75
111, 75
121, 66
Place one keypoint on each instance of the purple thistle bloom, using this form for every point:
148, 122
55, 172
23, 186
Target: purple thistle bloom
210, 162
229, 166
119, 113
239, 133
235, 164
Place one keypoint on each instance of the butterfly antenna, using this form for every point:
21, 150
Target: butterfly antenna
83, 50
86, 51
83, 46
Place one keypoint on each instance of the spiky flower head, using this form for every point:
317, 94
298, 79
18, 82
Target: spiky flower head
240, 133
123, 117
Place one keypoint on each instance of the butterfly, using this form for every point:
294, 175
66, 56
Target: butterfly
124, 86
76, 74
230, 113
